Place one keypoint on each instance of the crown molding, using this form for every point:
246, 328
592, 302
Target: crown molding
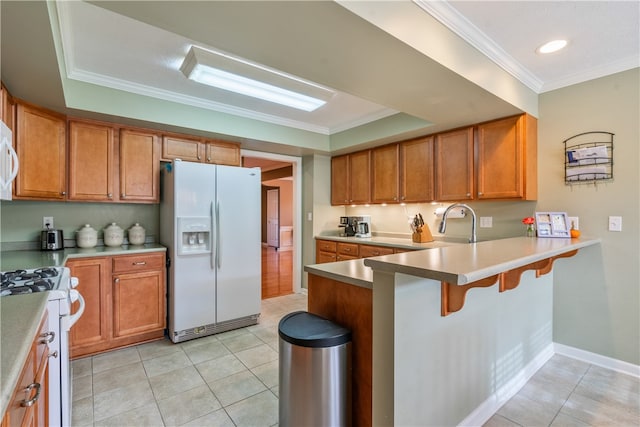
456, 22
593, 73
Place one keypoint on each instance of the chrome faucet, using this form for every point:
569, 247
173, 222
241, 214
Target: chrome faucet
443, 223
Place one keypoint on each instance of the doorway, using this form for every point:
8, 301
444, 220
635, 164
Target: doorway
282, 241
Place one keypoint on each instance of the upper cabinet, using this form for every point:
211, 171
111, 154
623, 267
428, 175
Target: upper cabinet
7, 107
197, 150
41, 146
350, 178
493, 160
91, 161
139, 166
507, 158
454, 165
416, 170
108, 164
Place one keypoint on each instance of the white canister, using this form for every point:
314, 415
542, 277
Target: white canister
86, 237
136, 234
113, 235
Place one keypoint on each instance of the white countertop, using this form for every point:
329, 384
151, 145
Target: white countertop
454, 263
392, 242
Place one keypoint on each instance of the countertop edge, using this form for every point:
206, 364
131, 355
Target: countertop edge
398, 263
353, 272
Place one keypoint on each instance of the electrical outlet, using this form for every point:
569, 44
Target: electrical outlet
486, 221
575, 222
615, 223
47, 220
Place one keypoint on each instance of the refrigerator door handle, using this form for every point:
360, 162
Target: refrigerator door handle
218, 234
214, 248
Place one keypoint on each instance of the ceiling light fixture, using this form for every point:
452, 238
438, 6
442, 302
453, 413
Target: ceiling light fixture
226, 72
552, 46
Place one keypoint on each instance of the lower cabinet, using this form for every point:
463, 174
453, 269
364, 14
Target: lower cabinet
125, 299
29, 402
331, 251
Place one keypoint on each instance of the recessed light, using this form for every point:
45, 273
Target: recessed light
552, 46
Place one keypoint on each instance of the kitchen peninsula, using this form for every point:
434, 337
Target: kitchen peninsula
441, 336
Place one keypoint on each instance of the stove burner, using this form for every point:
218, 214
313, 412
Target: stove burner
39, 285
46, 272
21, 282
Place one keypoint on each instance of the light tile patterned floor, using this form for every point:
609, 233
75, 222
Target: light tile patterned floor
231, 379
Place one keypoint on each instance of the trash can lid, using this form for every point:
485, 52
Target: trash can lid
309, 330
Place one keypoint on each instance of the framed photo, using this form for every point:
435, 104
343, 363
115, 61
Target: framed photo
552, 224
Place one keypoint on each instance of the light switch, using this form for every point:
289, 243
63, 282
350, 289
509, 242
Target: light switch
486, 221
615, 223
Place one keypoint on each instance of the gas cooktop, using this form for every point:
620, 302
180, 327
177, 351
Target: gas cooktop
20, 282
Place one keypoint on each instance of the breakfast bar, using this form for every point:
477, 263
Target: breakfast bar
442, 335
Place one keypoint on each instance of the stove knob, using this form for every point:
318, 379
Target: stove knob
73, 294
74, 282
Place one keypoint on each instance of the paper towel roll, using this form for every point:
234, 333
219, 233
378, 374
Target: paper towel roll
453, 213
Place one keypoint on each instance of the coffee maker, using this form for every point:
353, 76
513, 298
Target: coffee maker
358, 226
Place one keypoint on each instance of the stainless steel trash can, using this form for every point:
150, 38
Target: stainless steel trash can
315, 372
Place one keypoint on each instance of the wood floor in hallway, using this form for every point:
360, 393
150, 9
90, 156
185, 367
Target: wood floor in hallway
277, 272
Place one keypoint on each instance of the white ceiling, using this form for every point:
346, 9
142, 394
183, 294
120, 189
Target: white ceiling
106, 48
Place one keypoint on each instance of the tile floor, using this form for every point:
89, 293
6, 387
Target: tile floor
231, 379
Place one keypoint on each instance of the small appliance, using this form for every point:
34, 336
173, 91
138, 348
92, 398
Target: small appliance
358, 226
51, 240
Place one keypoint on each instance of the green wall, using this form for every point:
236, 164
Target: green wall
597, 293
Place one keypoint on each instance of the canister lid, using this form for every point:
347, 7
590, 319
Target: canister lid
310, 330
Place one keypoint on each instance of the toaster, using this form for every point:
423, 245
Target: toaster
51, 240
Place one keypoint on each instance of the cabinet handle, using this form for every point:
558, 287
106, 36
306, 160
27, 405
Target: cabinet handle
139, 263
110, 195
116, 280
123, 195
198, 157
54, 354
347, 249
47, 337
208, 159
468, 194
63, 193
479, 193
376, 253
29, 402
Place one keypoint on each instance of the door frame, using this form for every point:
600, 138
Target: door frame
268, 191
297, 207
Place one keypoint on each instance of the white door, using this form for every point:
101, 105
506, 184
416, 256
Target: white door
273, 218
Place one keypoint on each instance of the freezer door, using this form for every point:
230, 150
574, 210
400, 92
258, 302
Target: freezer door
238, 259
192, 295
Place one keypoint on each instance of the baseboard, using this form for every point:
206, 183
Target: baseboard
490, 406
597, 359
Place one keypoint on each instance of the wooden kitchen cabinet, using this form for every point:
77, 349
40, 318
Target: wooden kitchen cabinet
40, 137
7, 107
222, 153
91, 161
125, 298
346, 251
417, 170
139, 166
351, 178
385, 174
325, 251
93, 330
35, 371
507, 158
331, 251
177, 147
135, 276
367, 251
454, 165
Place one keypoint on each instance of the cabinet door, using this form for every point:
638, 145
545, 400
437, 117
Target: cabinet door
91, 158
92, 329
7, 108
340, 180
139, 166
385, 174
181, 148
41, 147
360, 177
502, 159
416, 170
322, 257
454, 165
138, 303
223, 153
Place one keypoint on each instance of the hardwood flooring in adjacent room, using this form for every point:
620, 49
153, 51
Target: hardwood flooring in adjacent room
277, 272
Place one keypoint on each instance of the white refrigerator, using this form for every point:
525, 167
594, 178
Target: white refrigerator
210, 224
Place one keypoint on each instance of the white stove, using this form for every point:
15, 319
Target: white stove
59, 285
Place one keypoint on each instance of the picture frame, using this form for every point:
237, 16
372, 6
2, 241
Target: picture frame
552, 224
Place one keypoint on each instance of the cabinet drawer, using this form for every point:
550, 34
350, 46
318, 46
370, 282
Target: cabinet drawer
349, 249
139, 262
401, 250
325, 246
323, 257
369, 251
